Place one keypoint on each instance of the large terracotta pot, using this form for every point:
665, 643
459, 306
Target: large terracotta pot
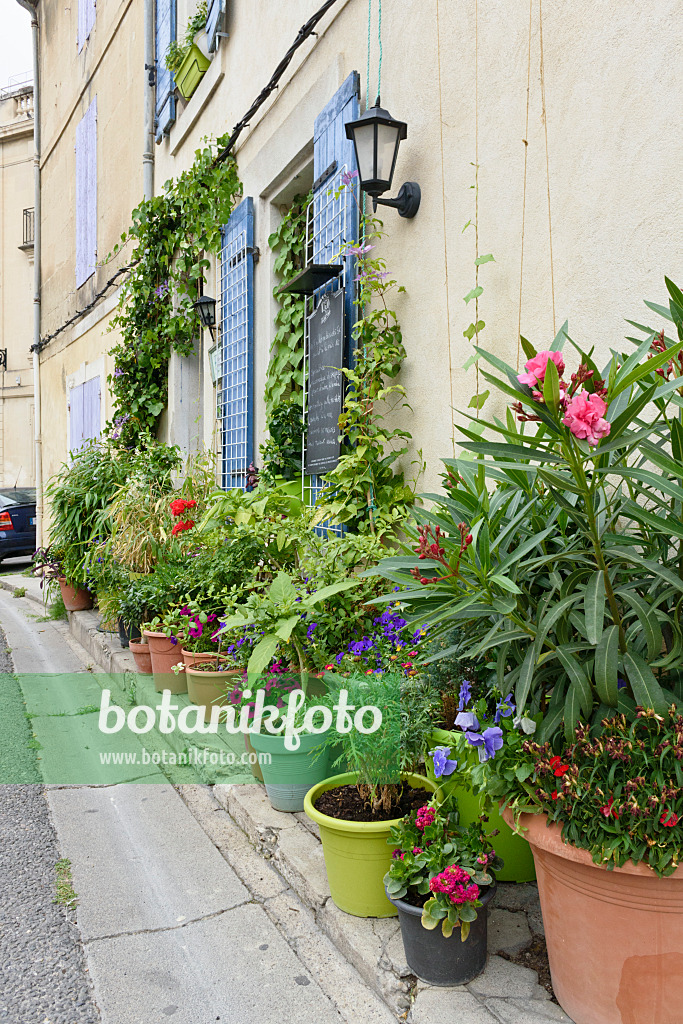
615, 938
190, 658
75, 598
165, 654
209, 689
143, 658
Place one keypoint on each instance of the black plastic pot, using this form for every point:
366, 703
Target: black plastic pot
126, 634
441, 961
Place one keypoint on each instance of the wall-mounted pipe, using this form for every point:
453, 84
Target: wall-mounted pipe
149, 95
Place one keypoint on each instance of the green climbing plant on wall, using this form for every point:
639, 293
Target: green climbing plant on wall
281, 453
172, 234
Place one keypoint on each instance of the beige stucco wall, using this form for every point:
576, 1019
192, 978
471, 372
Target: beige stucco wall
109, 67
612, 83
16, 289
612, 80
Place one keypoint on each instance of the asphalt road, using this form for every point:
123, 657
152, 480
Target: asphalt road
43, 975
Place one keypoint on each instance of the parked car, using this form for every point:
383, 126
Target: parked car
17, 521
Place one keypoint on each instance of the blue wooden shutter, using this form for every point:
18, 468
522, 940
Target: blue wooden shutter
86, 194
86, 20
237, 346
215, 23
91, 408
334, 220
75, 418
165, 34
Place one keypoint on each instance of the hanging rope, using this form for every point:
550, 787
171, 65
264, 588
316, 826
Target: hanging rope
476, 187
525, 140
379, 40
445, 228
547, 160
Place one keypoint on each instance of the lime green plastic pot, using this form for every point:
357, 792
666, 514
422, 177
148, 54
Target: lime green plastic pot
518, 860
191, 71
289, 774
357, 855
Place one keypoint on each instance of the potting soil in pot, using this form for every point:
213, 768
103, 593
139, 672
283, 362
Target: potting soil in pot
345, 802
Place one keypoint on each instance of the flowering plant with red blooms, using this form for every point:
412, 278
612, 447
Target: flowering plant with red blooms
616, 789
557, 549
441, 866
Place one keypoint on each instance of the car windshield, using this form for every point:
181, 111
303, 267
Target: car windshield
18, 496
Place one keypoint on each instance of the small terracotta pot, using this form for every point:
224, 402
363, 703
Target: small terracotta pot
190, 658
164, 655
615, 938
209, 689
75, 598
143, 658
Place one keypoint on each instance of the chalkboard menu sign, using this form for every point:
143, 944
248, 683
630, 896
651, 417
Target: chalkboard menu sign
325, 382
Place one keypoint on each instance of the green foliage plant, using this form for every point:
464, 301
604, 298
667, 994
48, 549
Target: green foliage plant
172, 234
283, 394
365, 491
175, 55
560, 546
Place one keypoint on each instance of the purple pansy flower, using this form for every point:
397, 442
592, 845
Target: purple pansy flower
504, 709
443, 765
467, 721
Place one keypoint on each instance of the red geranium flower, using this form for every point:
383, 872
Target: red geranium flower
668, 818
559, 769
554, 794
182, 525
608, 810
179, 506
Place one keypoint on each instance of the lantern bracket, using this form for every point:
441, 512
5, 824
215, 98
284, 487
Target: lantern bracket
407, 202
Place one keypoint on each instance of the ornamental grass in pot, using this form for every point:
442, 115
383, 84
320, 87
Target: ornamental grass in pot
560, 552
355, 811
441, 881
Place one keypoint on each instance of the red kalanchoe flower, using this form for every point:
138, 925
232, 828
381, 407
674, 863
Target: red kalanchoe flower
668, 818
425, 817
455, 883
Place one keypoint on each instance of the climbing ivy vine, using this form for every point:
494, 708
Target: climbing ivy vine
281, 453
366, 490
172, 234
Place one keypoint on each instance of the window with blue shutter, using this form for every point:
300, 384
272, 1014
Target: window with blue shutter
333, 218
86, 194
84, 413
215, 23
86, 20
237, 346
165, 97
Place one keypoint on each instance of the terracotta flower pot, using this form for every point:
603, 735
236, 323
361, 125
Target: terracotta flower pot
615, 938
143, 658
165, 654
210, 689
190, 658
75, 598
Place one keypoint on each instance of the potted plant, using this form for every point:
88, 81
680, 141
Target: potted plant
188, 60
356, 810
216, 680
141, 653
54, 564
441, 881
568, 575
288, 773
164, 635
202, 636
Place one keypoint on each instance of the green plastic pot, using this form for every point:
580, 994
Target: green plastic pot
357, 855
191, 71
291, 773
518, 860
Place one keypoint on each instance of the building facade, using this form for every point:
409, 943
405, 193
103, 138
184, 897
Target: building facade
17, 451
531, 126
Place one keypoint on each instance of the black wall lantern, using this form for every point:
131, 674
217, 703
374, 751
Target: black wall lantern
206, 307
376, 137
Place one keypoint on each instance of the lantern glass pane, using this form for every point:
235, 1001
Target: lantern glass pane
364, 138
387, 138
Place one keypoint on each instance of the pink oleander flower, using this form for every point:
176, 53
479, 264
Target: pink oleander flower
585, 417
536, 368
